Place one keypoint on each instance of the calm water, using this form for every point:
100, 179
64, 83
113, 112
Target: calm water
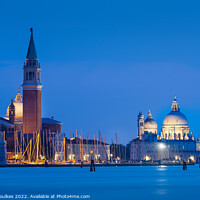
106, 183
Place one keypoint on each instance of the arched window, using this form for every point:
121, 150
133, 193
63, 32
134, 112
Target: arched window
38, 78
30, 76
26, 75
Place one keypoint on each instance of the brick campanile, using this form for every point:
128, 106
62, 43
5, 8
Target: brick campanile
32, 111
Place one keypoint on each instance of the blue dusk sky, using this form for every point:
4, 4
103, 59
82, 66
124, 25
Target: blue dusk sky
104, 61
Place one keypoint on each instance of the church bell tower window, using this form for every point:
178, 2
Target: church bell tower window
30, 76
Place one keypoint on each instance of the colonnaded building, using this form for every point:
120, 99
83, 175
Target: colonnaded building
174, 143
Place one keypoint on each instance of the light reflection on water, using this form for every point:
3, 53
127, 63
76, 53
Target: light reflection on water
162, 168
161, 180
161, 192
106, 183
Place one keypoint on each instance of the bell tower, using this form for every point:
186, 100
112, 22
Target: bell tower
12, 112
140, 125
32, 111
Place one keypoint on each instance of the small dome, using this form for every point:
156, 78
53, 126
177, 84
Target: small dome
150, 124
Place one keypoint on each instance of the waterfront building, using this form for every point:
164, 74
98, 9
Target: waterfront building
174, 143
169, 150
79, 149
84, 149
3, 154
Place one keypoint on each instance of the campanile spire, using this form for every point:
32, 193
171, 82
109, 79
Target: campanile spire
31, 54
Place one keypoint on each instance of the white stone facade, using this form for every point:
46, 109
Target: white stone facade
169, 150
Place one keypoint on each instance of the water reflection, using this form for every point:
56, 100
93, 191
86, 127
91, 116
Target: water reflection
162, 168
160, 180
161, 191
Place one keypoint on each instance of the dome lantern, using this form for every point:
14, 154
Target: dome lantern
149, 115
18, 97
175, 105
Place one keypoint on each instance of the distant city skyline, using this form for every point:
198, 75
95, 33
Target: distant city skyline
104, 62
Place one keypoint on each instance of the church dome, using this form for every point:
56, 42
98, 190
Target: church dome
18, 103
150, 124
175, 117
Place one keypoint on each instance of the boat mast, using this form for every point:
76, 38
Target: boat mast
70, 146
101, 153
76, 146
38, 137
30, 150
64, 148
104, 147
82, 143
94, 145
97, 148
